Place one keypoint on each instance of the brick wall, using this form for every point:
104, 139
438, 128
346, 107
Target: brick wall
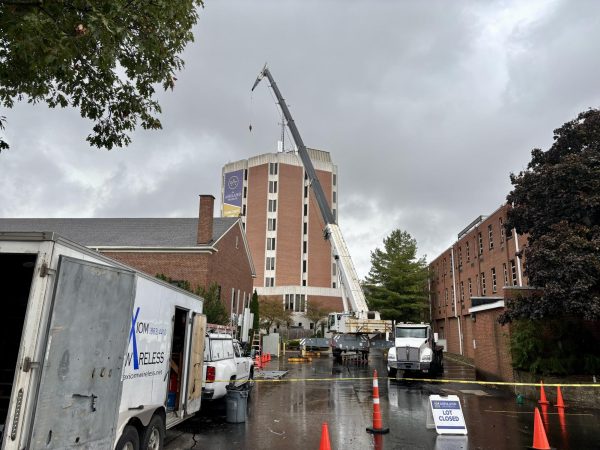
492, 351
498, 251
229, 267
319, 250
288, 262
256, 218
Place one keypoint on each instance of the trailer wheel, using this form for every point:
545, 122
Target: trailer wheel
154, 434
130, 440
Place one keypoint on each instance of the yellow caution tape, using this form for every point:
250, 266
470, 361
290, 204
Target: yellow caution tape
429, 380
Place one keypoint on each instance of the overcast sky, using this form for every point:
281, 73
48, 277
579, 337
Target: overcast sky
426, 108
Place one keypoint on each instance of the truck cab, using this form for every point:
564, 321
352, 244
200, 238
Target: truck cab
415, 350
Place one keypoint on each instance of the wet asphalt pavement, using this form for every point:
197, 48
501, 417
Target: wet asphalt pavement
289, 414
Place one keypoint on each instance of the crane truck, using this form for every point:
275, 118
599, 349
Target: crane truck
351, 329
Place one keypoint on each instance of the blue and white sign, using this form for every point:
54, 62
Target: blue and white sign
447, 414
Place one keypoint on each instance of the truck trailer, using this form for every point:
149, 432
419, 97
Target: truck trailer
96, 355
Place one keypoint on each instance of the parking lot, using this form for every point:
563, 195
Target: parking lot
289, 413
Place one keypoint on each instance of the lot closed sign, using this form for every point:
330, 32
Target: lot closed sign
447, 414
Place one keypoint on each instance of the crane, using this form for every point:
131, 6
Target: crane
352, 328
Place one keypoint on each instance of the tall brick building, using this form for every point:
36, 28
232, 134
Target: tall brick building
200, 250
271, 194
469, 284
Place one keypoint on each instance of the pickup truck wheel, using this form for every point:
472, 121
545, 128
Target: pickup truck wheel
392, 372
154, 435
129, 440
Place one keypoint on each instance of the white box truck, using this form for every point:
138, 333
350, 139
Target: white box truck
95, 354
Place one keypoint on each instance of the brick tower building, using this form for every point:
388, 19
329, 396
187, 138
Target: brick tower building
284, 227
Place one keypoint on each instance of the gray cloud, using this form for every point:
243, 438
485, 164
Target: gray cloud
425, 107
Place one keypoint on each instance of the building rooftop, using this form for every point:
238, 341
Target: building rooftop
124, 232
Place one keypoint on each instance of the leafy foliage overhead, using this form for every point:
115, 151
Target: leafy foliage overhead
556, 202
105, 57
397, 282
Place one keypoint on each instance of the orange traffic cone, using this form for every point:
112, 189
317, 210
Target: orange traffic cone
559, 399
325, 445
377, 422
542, 400
540, 441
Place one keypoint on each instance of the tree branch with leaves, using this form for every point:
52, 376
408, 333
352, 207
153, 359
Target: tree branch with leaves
104, 57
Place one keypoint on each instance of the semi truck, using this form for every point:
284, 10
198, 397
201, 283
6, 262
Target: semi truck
96, 355
415, 350
351, 329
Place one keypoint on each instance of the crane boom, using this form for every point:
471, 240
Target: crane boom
353, 293
356, 324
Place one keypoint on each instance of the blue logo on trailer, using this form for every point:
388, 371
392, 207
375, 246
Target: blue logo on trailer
132, 337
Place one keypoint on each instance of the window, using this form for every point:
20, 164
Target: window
459, 256
245, 192
482, 283
303, 282
462, 292
270, 263
513, 269
470, 288
505, 270
493, 279
334, 179
243, 210
304, 247
270, 243
305, 228
272, 168
269, 282
468, 252
446, 297
334, 269
271, 224
245, 174
491, 236
334, 212
480, 243
502, 231
334, 196
306, 210
304, 266
305, 191
272, 187
295, 302
272, 205
334, 285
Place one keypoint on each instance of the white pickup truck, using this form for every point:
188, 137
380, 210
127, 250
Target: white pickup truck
224, 366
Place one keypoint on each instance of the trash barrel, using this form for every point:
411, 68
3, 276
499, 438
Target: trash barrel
237, 403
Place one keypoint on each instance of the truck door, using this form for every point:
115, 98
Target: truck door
80, 386
196, 361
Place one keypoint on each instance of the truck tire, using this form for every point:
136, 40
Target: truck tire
392, 372
129, 440
154, 434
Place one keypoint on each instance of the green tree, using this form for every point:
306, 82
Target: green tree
397, 282
315, 314
273, 313
556, 202
105, 57
255, 310
213, 307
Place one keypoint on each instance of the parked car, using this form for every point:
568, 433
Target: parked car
224, 366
